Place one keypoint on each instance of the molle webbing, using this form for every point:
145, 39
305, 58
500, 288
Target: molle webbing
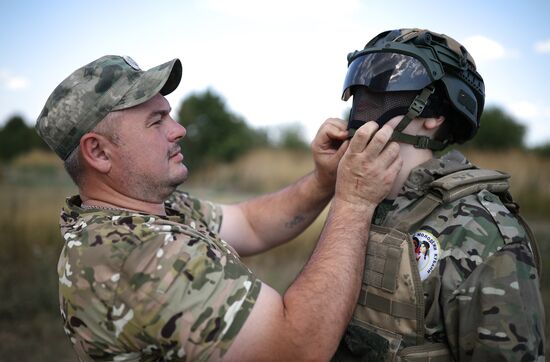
383, 262
387, 306
387, 293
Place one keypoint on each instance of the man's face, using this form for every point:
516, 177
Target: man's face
146, 161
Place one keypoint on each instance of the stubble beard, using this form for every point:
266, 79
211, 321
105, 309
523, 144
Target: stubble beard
146, 187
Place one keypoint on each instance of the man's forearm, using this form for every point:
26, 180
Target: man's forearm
330, 282
278, 217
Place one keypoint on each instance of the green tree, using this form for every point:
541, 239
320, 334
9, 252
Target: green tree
213, 132
498, 131
291, 137
17, 138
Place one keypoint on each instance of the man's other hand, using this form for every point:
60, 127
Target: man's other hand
328, 147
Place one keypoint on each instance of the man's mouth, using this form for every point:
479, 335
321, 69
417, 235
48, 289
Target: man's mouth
176, 152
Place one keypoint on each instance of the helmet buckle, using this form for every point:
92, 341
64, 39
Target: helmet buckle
418, 103
422, 142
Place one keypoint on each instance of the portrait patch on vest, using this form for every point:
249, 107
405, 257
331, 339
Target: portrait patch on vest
426, 248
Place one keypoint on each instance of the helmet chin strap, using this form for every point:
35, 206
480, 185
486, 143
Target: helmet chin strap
415, 109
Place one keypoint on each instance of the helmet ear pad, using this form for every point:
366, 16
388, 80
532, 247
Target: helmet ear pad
464, 106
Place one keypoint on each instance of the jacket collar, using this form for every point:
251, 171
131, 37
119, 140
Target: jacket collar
420, 178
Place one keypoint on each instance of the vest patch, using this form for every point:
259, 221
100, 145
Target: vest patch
427, 250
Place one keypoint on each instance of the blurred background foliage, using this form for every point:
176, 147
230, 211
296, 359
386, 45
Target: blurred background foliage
229, 161
216, 134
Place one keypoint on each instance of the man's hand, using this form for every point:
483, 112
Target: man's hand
328, 147
369, 166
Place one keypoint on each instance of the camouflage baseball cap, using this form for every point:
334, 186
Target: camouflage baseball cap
85, 97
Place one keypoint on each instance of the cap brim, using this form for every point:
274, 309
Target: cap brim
163, 79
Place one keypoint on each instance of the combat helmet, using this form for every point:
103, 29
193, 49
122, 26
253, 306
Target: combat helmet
415, 72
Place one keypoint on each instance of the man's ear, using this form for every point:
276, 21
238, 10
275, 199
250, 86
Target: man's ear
95, 151
433, 122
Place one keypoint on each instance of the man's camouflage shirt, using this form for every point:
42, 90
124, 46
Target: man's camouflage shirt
140, 287
483, 297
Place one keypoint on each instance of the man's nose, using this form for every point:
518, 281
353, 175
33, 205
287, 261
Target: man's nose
177, 131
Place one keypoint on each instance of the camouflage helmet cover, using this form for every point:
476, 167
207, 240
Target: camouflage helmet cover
411, 59
86, 96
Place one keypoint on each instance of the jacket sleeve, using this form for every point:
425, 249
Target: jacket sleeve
492, 306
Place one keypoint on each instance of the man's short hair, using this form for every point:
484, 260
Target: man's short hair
107, 127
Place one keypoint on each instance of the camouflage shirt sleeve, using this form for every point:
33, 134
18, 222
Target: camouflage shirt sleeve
486, 291
143, 288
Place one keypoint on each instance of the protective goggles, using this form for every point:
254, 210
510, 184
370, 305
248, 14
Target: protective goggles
386, 72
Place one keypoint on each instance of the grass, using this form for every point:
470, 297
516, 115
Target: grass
33, 189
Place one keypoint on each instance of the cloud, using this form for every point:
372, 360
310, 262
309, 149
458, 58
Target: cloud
485, 49
12, 82
524, 110
285, 9
536, 117
543, 46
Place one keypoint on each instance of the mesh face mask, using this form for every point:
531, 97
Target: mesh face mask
379, 107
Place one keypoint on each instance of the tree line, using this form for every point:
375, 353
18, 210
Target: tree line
215, 134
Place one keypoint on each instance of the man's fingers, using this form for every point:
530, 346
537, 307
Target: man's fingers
362, 137
332, 130
379, 142
395, 161
389, 154
342, 149
337, 131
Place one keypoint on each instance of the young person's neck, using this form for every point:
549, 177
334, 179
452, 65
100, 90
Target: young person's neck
412, 157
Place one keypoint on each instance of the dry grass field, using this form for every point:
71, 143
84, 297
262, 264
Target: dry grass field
33, 189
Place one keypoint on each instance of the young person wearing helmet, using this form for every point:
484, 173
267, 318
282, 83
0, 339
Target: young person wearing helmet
470, 289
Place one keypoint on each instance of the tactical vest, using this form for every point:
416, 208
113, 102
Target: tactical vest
388, 322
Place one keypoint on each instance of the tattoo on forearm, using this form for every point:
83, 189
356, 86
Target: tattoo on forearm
292, 223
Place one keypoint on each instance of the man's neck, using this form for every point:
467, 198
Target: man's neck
109, 198
412, 157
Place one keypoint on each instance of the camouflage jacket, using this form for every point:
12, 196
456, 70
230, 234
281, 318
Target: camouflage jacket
139, 287
482, 297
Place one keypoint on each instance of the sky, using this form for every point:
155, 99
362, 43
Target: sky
273, 62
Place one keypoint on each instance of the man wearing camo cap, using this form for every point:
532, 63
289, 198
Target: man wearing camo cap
452, 269
148, 273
